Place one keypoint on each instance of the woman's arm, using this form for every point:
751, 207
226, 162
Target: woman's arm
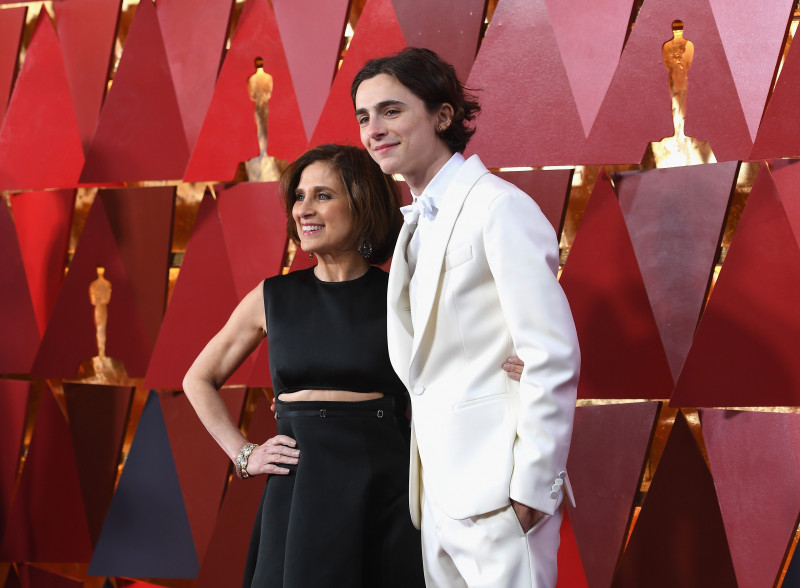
220, 358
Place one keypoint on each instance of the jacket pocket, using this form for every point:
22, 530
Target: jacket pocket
457, 256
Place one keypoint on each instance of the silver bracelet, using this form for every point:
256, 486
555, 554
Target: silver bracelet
241, 459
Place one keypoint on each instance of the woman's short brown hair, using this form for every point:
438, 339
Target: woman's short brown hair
374, 197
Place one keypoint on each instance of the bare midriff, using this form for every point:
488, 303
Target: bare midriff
329, 396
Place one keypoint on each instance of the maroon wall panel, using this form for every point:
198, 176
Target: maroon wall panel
378, 34
225, 560
787, 180
201, 465
679, 538
33, 577
675, 218
139, 135
87, 31
548, 188
570, 568
202, 300
97, 419
47, 520
254, 225
752, 56
612, 313
40, 145
43, 221
779, 133
12, 21
606, 460
13, 403
194, 40
528, 116
637, 110
741, 446
21, 340
229, 134
312, 33
71, 337
743, 352
451, 28
141, 221
590, 36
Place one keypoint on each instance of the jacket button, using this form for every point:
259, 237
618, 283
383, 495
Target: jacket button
562, 474
419, 389
554, 494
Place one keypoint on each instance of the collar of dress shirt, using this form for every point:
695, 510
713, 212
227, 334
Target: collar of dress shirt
437, 187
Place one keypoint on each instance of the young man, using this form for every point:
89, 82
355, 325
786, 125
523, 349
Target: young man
473, 281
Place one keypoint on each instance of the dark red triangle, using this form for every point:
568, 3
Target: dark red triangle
71, 336
254, 225
741, 446
753, 57
609, 447
679, 537
194, 41
675, 217
18, 348
139, 135
533, 121
202, 300
12, 21
13, 403
34, 577
201, 465
43, 221
40, 145
742, 352
623, 356
548, 188
779, 133
451, 28
378, 33
590, 63
637, 108
98, 416
570, 568
227, 552
229, 134
47, 520
87, 30
312, 34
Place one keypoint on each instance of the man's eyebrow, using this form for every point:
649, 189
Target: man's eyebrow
381, 105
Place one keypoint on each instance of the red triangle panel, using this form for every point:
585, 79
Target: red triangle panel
621, 352
570, 568
548, 188
43, 221
12, 21
229, 134
679, 538
741, 446
47, 520
139, 135
194, 40
33, 577
609, 447
743, 354
378, 34
13, 404
451, 28
675, 217
87, 30
202, 300
40, 145
520, 45
312, 34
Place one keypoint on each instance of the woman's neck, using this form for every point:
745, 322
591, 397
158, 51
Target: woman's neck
340, 269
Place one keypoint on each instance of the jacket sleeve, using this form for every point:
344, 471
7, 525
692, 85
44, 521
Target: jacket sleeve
523, 257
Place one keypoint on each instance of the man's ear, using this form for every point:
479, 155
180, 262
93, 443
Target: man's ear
444, 117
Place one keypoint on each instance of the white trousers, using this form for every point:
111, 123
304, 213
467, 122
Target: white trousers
489, 550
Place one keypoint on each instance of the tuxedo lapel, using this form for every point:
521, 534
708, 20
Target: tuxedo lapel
399, 330
431, 253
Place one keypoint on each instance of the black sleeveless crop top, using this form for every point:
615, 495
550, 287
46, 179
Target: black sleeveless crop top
329, 335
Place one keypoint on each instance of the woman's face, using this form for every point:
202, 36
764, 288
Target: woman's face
321, 211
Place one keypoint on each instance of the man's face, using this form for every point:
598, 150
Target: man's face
398, 131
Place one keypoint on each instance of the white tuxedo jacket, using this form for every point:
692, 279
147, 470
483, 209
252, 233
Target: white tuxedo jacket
487, 290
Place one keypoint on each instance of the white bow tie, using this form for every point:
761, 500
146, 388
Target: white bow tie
422, 206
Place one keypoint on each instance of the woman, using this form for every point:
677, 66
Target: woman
335, 508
